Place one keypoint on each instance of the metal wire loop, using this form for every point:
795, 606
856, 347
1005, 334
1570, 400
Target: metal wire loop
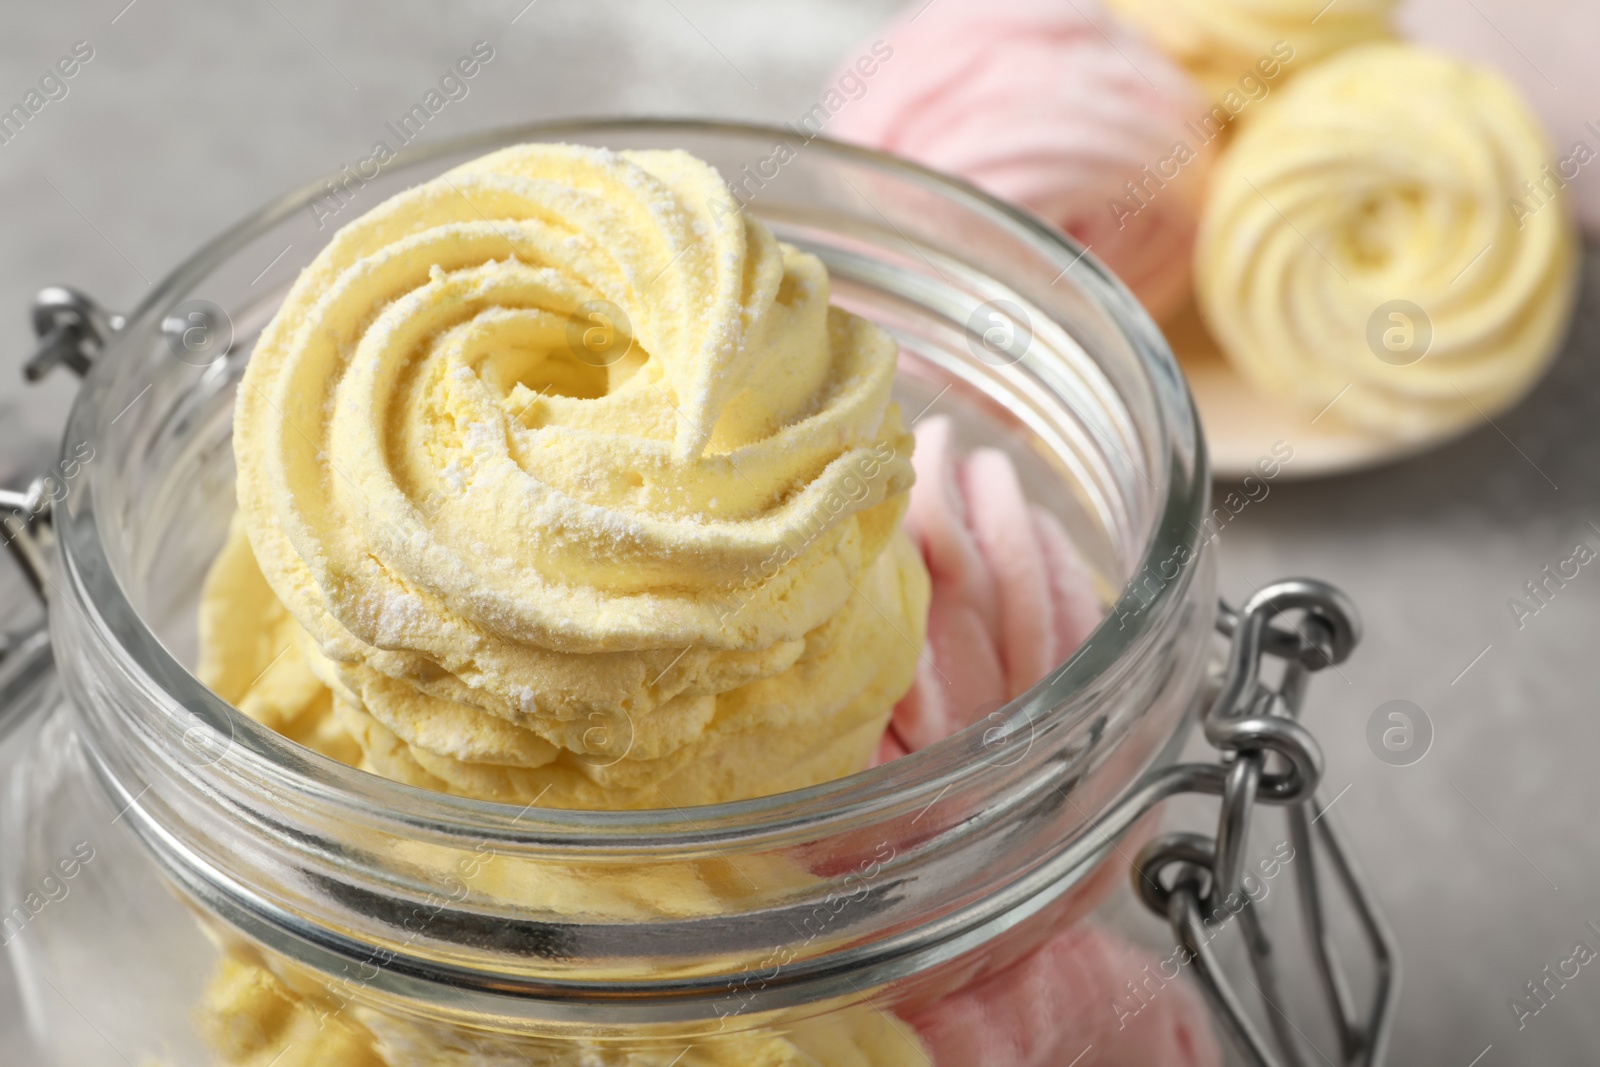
1276, 734
1267, 756
1191, 855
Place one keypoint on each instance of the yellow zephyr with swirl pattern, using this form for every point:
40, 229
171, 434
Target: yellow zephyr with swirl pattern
575, 487
1388, 174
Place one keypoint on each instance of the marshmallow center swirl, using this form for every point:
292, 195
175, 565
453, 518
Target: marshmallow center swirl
555, 464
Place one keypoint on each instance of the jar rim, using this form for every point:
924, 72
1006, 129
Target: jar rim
1181, 487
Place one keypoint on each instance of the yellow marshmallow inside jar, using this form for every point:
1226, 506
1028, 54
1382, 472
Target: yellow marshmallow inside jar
253, 1017
665, 571
562, 483
1361, 251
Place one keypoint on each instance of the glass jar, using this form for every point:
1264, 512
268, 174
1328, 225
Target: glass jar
159, 831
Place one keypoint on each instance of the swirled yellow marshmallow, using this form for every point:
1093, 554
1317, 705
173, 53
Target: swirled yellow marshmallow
558, 486
1362, 251
1221, 42
571, 485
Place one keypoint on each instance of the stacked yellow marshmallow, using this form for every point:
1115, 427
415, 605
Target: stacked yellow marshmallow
254, 1017
566, 484
562, 482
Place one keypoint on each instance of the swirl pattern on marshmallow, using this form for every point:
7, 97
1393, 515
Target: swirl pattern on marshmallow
1036, 103
1357, 244
1222, 41
575, 482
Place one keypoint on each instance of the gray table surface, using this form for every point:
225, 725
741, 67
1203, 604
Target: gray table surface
1484, 853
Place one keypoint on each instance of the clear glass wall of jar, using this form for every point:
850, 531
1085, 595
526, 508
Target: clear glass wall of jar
163, 831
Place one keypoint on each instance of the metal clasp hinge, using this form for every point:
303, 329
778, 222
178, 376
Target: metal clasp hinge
26, 518
1189, 879
72, 329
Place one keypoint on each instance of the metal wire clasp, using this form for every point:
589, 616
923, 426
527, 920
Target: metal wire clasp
1269, 757
72, 329
25, 519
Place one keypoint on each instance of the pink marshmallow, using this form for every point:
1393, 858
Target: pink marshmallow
1051, 104
1011, 598
937, 519
1074, 603
1002, 524
1067, 1003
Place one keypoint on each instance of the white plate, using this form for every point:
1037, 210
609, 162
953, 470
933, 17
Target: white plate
1242, 426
